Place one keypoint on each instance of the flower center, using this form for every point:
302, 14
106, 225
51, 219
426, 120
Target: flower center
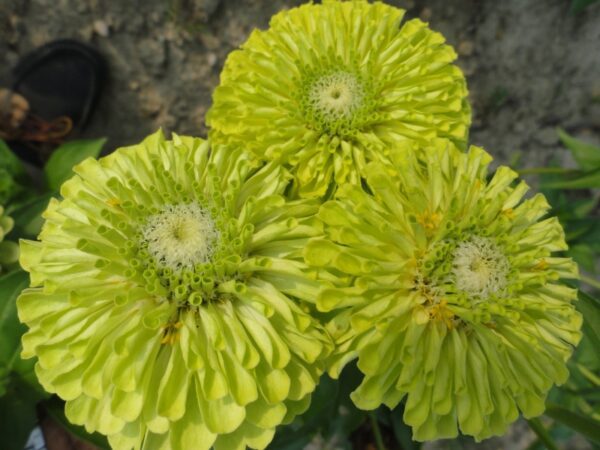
180, 236
479, 267
336, 95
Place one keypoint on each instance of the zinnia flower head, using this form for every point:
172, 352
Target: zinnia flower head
329, 87
164, 299
9, 251
452, 299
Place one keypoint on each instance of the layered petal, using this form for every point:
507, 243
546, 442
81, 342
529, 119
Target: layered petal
455, 303
329, 87
166, 298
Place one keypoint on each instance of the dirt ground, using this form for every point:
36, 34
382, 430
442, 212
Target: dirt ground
531, 66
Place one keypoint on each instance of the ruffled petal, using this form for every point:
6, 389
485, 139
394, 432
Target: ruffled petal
462, 312
330, 87
166, 298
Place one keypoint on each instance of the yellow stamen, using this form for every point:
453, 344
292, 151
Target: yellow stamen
113, 202
429, 220
509, 212
440, 312
171, 334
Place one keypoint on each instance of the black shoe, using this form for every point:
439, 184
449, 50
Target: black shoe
61, 82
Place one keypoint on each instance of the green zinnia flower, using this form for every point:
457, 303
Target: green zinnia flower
328, 88
9, 251
452, 297
163, 306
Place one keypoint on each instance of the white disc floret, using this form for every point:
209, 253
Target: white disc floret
180, 236
336, 95
479, 267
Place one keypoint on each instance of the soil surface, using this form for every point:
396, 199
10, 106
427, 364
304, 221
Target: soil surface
531, 66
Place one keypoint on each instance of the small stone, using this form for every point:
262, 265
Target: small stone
134, 85
211, 59
210, 41
426, 14
465, 48
101, 28
150, 102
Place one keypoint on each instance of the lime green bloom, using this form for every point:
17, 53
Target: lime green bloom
329, 87
449, 292
164, 305
9, 251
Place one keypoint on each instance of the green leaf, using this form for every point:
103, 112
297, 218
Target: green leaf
586, 155
579, 5
584, 256
591, 237
25, 370
9, 161
290, 440
322, 408
586, 355
55, 408
331, 418
583, 180
403, 432
585, 425
590, 309
582, 208
576, 228
348, 417
12, 175
9, 253
28, 216
17, 413
542, 434
59, 167
12, 367
11, 329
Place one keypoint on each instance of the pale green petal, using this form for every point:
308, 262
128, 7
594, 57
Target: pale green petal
461, 310
166, 297
329, 87
221, 416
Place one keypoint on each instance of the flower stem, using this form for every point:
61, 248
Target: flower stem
542, 434
590, 281
376, 431
540, 170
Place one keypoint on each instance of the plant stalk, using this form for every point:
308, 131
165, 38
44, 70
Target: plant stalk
542, 170
590, 281
376, 431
